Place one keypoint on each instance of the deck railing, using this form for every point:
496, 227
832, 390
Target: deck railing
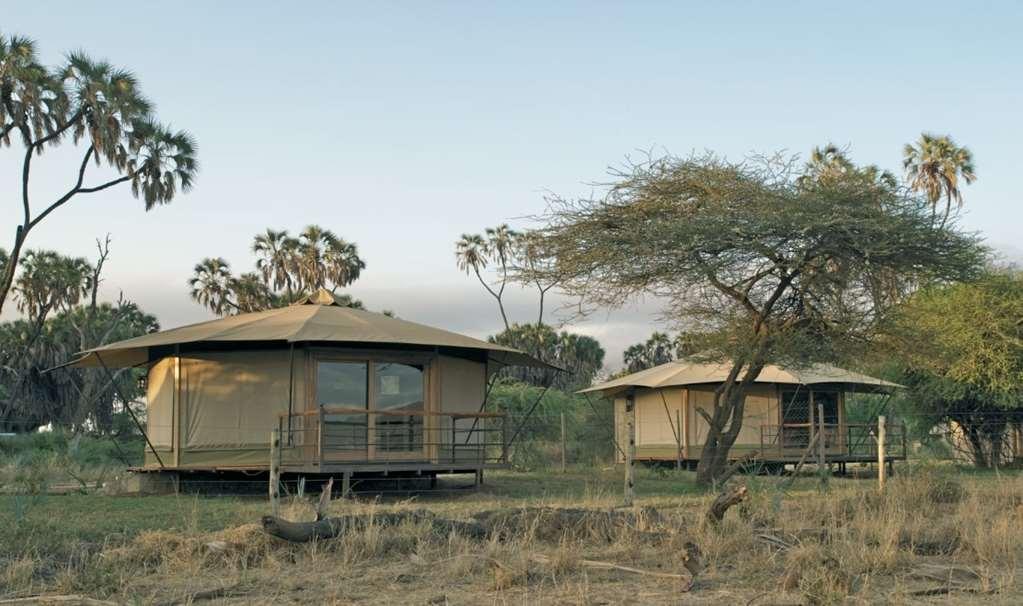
339, 435
851, 441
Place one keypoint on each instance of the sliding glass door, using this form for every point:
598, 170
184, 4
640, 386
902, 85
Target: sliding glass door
344, 386
371, 410
399, 402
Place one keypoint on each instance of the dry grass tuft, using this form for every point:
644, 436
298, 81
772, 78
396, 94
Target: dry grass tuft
850, 543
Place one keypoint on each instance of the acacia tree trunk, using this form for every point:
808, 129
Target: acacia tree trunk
984, 434
725, 422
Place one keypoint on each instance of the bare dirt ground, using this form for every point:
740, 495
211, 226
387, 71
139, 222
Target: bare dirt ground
935, 536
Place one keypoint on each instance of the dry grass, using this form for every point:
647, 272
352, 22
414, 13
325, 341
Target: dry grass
849, 544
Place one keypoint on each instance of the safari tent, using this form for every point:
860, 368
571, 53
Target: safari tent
780, 417
349, 391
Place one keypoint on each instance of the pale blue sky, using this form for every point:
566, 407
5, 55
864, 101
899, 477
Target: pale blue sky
402, 125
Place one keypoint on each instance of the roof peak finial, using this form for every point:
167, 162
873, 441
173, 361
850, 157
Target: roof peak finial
321, 296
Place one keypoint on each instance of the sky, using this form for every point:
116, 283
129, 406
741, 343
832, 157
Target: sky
402, 125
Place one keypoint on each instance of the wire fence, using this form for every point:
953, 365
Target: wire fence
582, 438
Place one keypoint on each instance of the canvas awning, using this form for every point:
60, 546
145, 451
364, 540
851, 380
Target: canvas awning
683, 372
317, 318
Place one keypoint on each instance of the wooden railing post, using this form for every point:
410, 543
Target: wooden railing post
881, 430
821, 444
454, 437
319, 437
275, 473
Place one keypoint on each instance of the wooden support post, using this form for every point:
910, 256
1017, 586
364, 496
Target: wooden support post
564, 444
678, 440
275, 472
346, 484
881, 431
821, 445
630, 449
319, 438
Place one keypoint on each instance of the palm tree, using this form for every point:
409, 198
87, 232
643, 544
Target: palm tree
250, 293
830, 163
275, 259
211, 285
533, 265
827, 161
313, 242
343, 265
472, 254
98, 107
326, 261
935, 165
50, 281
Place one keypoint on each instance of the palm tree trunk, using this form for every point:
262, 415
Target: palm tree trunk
500, 303
12, 265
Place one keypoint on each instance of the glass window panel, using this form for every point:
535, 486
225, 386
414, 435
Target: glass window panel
343, 385
830, 401
399, 389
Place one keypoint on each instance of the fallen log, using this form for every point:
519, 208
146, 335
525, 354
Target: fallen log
600, 565
67, 600
725, 501
543, 523
329, 528
554, 523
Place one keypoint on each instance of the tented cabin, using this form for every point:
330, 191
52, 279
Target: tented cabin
780, 417
349, 391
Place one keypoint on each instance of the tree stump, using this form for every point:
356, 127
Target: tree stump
726, 500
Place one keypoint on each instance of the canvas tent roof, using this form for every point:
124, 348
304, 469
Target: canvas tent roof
687, 372
317, 318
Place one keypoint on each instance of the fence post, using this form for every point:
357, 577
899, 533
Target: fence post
275, 473
821, 443
630, 450
564, 444
678, 439
881, 431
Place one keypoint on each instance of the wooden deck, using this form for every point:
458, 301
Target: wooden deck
347, 440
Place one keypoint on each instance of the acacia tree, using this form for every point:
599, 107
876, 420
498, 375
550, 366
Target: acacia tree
960, 349
94, 106
777, 269
286, 267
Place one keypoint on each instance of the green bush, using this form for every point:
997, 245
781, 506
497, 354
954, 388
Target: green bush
589, 430
86, 450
